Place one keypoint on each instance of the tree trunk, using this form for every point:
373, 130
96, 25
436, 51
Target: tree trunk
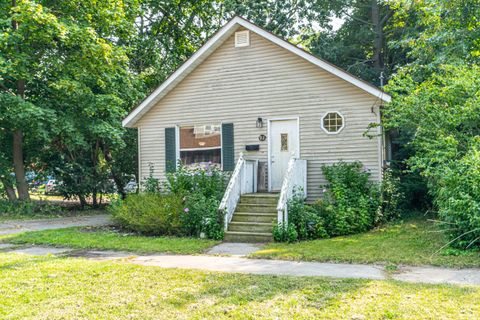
116, 176
7, 185
83, 201
18, 163
94, 198
378, 37
19, 166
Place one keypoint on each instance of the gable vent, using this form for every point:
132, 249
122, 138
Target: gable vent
242, 38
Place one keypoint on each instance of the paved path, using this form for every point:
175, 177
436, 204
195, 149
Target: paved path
235, 249
274, 267
17, 226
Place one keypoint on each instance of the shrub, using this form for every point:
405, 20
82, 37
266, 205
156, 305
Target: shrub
457, 198
285, 232
351, 202
186, 205
28, 208
201, 215
391, 198
151, 184
150, 213
305, 219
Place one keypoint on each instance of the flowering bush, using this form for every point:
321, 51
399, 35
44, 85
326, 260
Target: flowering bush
202, 186
200, 217
206, 179
187, 204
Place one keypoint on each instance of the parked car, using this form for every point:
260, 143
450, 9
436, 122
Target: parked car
51, 186
131, 186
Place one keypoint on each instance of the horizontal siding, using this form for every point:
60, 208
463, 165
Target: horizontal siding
239, 85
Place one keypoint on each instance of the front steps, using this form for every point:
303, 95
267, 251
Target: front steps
253, 218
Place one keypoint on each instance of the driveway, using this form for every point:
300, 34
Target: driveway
18, 226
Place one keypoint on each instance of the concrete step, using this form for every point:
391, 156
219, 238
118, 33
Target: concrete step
238, 236
262, 194
256, 207
263, 227
254, 217
259, 200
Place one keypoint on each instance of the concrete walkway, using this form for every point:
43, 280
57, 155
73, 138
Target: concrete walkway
17, 226
273, 267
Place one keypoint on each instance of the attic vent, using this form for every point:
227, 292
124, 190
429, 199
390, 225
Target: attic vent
242, 38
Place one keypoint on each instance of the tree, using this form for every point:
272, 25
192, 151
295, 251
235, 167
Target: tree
365, 43
59, 61
436, 98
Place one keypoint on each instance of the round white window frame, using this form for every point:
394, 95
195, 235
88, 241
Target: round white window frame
340, 129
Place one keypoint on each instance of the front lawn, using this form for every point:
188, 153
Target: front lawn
413, 242
105, 239
46, 214
69, 288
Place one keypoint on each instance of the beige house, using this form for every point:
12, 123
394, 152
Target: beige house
249, 92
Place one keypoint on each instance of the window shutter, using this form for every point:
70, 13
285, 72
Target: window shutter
170, 150
228, 153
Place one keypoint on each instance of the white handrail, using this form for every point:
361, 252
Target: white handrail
233, 191
295, 178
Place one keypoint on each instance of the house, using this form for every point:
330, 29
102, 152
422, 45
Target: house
253, 103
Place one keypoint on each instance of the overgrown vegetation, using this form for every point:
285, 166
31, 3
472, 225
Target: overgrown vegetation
352, 203
186, 205
25, 210
436, 110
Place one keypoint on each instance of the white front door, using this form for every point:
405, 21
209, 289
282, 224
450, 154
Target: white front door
283, 142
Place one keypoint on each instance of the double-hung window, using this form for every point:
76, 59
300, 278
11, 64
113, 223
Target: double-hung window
201, 145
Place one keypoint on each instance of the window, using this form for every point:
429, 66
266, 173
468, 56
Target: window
200, 145
332, 122
284, 142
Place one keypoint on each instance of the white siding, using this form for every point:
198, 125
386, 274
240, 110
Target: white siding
239, 85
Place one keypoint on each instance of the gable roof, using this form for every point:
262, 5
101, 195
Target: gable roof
216, 40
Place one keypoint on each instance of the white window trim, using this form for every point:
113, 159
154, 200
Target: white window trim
339, 130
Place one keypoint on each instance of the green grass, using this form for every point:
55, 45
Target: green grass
48, 215
414, 242
68, 288
84, 238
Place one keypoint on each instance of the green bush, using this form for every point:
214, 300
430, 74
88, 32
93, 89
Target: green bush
28, 208
201, 215
306, 219
285, 232
391, 198
150, 213
186, 205
457, 198
351, 203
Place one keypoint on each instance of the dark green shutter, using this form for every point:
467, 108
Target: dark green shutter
170, 150
228, 153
